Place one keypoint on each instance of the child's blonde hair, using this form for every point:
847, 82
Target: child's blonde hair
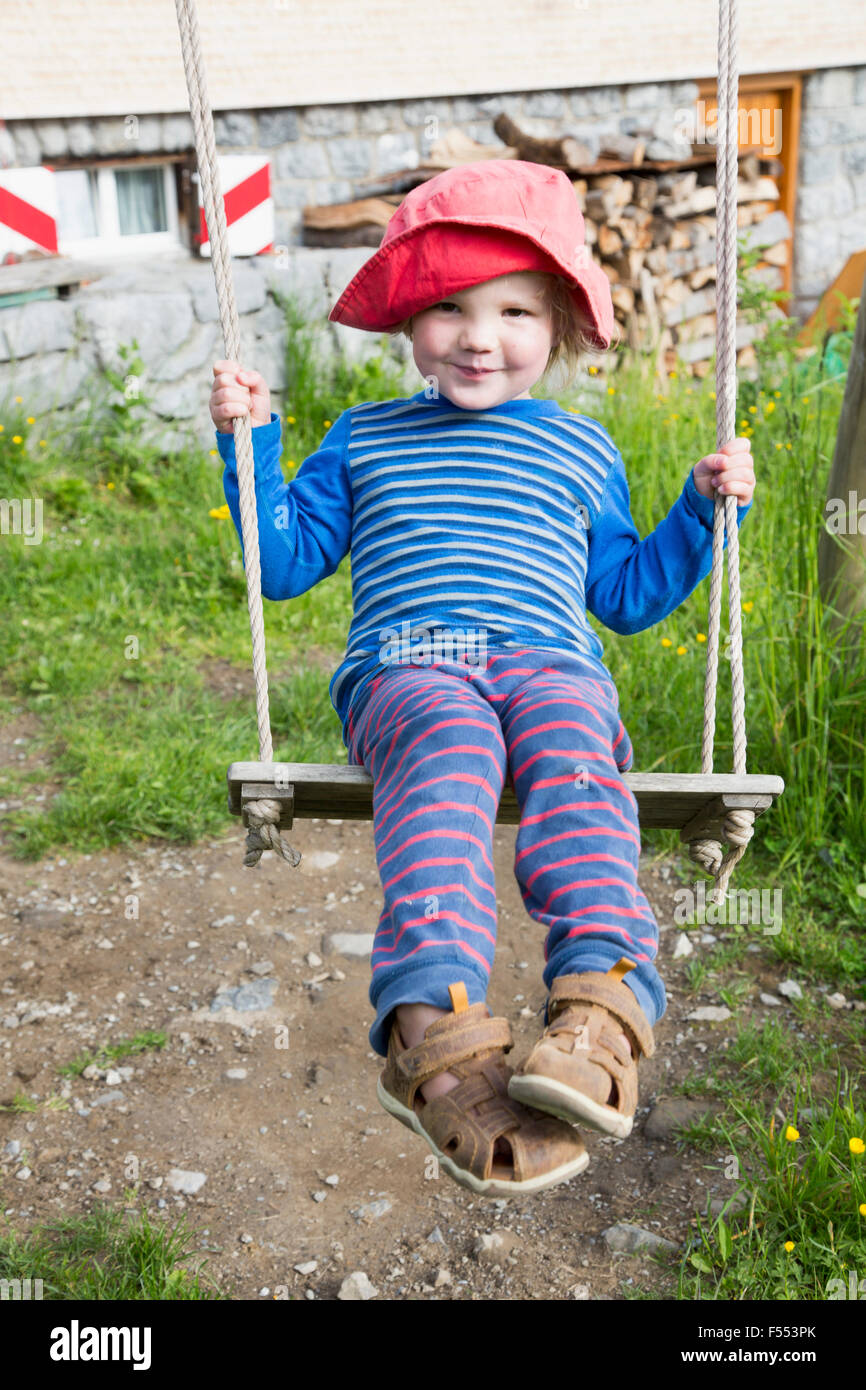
572, 337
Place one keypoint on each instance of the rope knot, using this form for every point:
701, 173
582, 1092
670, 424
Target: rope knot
263, 820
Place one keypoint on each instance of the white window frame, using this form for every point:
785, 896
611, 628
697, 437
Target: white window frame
108, 241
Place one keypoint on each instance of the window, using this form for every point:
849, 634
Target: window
117, 210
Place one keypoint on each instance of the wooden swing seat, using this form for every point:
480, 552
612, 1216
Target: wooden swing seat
694, 803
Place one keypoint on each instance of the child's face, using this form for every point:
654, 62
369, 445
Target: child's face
503, 326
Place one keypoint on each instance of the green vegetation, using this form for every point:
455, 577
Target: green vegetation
109, 1255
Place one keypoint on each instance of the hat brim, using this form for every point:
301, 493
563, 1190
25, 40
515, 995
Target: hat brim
424, 264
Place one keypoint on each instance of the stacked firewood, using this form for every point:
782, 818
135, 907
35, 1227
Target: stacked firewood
650, 224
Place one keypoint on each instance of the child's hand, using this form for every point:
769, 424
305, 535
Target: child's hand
236, 391
730, 470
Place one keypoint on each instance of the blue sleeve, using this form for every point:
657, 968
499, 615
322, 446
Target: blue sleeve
305, 526
632, 583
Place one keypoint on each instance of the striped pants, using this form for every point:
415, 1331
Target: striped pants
439, 741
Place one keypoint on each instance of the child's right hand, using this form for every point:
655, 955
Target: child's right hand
237, 391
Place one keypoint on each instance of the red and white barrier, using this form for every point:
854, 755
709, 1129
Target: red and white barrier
28, 210
245, 180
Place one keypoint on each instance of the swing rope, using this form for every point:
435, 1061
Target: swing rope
739, 824
263, 815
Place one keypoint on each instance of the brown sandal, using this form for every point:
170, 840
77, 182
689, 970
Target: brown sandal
462, 1126
580, 1059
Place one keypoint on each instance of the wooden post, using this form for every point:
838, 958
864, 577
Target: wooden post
842, 571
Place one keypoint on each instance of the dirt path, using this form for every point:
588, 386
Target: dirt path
276, 1106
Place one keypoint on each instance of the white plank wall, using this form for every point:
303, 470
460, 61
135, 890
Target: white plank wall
101, 58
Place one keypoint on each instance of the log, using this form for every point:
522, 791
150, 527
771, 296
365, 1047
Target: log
609, 240
563, 153
628, 148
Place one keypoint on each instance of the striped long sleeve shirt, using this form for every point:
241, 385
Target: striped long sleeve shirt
486, 528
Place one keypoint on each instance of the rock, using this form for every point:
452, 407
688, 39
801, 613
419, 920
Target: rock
436, 1236
113, 1078
837, 1001
319, 1196
23, 1174
12, 1148
371, 1211
312, 959
245, 998
771, 1001
667, 1115
102, 1186
236, 1074
707, 939
307, 1268
185, 1180
262, 967
495, 1248
683, 947
790, 989
350, 943
357, 1286
710, 1013
580, 1291
107, 1098
630, 1239
442, 1278
319, 861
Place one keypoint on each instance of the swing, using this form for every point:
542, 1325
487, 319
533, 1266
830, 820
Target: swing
706, 807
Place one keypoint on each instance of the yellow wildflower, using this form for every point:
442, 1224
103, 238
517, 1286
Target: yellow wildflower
769, 407
779, 446
16, 439
712, 395
862, 1208
290, 419
220, 513
777, 394
805, 400
789, 447
672, 375
666, 642
681, 651
701, 637
747, 607
327, 424
789, 1246
31, 419
18, 400
2, 428
593, 371
611, 390
856, 1146
791, 1134
43, 444
753, 410
109, 485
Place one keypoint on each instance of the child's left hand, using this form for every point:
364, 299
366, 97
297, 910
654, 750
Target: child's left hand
730, 470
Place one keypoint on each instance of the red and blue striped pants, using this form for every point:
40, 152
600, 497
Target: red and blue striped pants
439, 742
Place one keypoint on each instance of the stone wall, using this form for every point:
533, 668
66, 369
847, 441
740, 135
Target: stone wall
830, 219
54, 352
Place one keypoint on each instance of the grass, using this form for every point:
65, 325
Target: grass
107, 626
112, 1052
109, 1255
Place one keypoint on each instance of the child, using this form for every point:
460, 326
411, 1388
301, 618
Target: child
473, 508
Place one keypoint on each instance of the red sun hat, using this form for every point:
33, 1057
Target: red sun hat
470, 224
